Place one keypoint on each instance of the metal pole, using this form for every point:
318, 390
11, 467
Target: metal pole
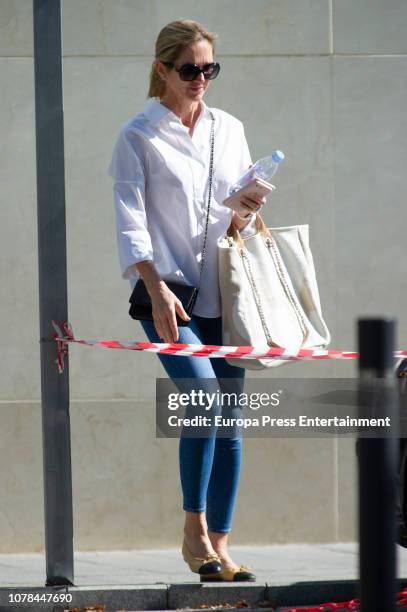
377, 473
52, 290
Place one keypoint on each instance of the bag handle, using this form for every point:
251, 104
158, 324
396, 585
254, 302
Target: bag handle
234, 233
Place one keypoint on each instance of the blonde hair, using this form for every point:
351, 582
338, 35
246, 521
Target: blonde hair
169, 44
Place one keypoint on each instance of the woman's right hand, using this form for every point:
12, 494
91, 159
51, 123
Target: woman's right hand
165, 306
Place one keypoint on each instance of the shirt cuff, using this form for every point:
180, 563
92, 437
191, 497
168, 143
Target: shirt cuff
250, 228
127, 269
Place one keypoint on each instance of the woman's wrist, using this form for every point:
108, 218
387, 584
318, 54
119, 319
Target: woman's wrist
245, 217
241, 222
152, 280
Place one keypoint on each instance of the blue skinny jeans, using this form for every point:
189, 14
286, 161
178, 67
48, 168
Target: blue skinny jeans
209, 467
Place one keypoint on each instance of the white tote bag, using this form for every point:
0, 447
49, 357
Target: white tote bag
269, 292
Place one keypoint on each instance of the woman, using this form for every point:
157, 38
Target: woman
160, 169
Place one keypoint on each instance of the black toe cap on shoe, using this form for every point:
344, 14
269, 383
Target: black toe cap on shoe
212, 567
244, 577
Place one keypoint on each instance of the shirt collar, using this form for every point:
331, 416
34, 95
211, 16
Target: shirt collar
155, 111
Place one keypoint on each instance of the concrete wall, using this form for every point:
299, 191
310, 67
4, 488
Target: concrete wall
325, 81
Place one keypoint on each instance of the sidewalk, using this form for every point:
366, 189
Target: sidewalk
272, 564
282, 564
144, 577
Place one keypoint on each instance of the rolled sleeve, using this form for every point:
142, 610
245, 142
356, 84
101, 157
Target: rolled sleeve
127, 171
133, 238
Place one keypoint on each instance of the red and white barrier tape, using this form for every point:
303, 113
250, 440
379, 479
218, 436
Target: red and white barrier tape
64, 336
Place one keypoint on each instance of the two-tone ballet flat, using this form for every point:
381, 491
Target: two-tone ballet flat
239, 573
208, 568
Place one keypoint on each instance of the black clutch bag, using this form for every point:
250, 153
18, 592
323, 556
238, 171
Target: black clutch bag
140, 301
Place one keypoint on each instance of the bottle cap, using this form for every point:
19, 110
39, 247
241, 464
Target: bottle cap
277, 156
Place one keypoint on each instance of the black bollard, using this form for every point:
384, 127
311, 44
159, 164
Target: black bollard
377, 460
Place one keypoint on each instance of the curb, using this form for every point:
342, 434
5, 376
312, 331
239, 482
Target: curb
185, 596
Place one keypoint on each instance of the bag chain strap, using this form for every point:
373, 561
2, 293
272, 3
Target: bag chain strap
277, 263
271, 245
212, 140
249, 274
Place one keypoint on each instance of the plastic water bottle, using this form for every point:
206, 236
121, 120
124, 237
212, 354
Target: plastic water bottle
265, 168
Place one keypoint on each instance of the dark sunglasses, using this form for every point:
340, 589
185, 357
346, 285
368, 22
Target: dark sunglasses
189, 72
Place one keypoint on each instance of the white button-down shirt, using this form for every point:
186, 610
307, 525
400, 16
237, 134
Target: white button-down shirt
160, 176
